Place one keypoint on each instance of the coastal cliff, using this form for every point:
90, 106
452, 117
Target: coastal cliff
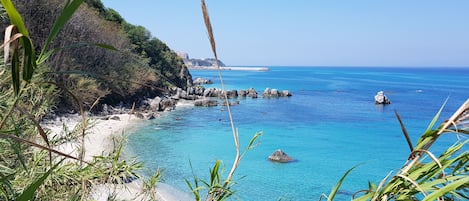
137, 66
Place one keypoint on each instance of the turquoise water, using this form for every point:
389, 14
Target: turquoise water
329, 125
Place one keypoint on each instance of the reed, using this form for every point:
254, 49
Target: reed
216, 188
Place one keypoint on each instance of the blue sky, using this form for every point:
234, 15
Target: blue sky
425, 33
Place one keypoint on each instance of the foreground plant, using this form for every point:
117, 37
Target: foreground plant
425, 176
30, 167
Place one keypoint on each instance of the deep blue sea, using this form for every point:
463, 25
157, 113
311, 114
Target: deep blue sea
329, 125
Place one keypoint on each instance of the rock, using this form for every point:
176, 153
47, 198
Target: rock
380, 98
206, 103
139, 115
286, 93
266, 92
199, 81
115, 118
167, 105
252, 93
154, 104
280, 156
274, 93
105, 110
153, 116
232, 94
231, 103
242, 93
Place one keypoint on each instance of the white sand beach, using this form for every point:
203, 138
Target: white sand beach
99, 141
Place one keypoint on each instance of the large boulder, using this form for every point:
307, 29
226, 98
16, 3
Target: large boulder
280, 156
380, 98
252, 93
167, 105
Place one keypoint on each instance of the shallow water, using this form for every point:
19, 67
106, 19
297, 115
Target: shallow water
329, 125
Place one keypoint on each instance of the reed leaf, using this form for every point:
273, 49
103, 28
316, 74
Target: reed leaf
30, 191
337, 186
404, 131
7, 136
413, 183
447, 188
435, 118
41, 131
70, 7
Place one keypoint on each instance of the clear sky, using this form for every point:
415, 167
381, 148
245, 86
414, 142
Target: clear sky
311, 32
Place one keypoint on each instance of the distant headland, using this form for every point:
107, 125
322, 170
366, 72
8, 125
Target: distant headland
210, 64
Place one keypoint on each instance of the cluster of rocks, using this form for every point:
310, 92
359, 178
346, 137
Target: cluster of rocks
276, 93
196, 95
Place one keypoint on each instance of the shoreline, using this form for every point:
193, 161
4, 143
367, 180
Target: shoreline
99, 141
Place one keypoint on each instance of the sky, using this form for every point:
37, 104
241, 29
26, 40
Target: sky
393, 33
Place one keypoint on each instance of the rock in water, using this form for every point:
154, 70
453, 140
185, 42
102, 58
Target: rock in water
380, 98
280, 156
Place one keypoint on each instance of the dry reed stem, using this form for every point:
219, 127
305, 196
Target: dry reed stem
211, 37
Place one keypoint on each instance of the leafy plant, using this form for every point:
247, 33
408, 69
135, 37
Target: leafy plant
425, 176
29, 167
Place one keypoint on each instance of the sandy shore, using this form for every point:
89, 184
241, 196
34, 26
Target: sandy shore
98, 141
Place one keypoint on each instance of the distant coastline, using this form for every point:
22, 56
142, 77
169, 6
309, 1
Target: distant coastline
229, 68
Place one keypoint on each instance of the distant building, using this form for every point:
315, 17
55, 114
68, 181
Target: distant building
205, 62
183, 55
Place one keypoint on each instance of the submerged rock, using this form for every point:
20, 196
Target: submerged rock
280, 156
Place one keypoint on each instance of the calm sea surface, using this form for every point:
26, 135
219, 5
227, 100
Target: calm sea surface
329, 125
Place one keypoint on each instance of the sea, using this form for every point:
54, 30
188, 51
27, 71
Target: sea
329, 125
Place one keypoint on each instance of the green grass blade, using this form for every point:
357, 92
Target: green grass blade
29, 64
448, 188
28, 193
15, 72
65, 16
435, 118
337, 186
106, 46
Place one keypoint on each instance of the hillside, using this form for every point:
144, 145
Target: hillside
142, 67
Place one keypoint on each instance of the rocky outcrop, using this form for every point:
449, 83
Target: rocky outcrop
199, 81
268, 93
380, 98
280, 156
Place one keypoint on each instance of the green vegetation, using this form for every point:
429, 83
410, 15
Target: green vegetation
46, 66
132, 66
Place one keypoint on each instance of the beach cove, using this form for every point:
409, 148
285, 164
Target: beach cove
305, 126
329, 125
